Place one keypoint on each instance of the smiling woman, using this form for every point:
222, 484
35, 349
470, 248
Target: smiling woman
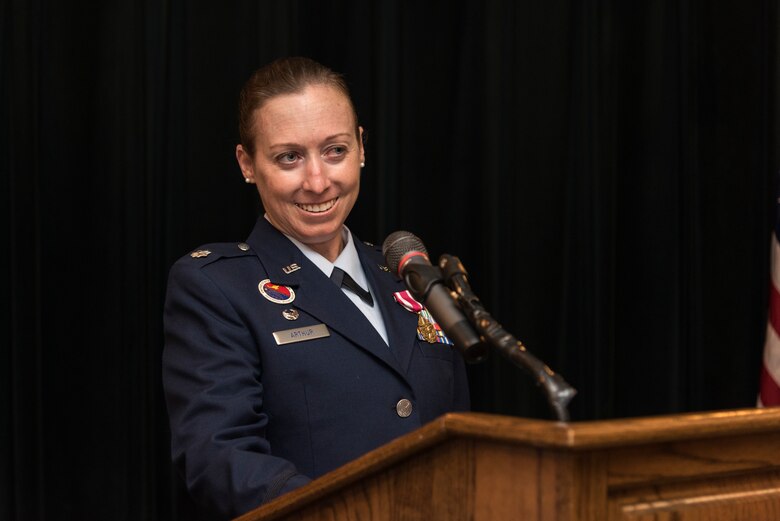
306, 164
288, 355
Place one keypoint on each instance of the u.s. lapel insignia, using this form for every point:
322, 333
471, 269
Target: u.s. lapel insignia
384, 268
276, 293
200, 253
289, 269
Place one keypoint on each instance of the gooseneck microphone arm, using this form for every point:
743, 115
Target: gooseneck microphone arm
463, 317
559, 393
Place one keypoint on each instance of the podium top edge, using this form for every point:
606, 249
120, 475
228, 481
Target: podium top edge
614, 432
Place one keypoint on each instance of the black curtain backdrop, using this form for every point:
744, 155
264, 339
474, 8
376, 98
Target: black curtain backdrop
604, 169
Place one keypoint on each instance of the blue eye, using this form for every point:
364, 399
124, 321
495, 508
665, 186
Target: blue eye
336, 152
287, 158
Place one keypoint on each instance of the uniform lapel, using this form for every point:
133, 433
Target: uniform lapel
401, 324
286, 265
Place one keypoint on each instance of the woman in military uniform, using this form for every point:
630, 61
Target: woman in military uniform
289, 354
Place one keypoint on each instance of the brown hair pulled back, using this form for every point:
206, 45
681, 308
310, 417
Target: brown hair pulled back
283, 76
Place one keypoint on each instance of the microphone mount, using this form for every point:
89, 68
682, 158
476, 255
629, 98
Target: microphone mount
558, 392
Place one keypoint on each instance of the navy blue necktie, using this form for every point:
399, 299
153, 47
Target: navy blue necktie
343, 280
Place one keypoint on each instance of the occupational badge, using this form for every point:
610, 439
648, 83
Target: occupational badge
291, 314
276, 293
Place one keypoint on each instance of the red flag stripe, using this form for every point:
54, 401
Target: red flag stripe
770, 370
770, 391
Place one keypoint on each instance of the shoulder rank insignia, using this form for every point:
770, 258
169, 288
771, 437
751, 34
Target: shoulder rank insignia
276, 293
197, 254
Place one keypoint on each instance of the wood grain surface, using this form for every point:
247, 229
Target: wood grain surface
717, 466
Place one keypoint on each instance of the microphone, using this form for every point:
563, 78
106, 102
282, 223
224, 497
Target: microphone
406, 255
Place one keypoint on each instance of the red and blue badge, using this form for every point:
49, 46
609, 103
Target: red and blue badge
276, 293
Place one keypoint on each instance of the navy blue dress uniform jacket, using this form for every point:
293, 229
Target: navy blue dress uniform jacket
251, 419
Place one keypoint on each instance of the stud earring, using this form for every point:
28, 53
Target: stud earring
362, 164
248, 181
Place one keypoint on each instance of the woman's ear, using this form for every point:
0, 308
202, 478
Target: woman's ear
245, 164
362, 148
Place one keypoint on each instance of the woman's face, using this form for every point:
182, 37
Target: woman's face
306, 164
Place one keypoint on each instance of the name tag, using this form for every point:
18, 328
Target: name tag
301, 334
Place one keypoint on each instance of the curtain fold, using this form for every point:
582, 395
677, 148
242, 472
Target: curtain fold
604, 171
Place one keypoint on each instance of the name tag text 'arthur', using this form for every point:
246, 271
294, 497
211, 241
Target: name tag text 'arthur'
301, 334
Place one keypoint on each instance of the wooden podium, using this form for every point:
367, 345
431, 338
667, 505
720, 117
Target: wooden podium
710, 466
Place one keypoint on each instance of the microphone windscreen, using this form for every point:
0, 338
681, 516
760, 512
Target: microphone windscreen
397, 245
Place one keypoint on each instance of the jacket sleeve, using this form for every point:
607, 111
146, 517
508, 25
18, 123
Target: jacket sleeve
212, 382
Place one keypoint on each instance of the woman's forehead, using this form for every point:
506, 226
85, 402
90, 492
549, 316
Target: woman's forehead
317, 110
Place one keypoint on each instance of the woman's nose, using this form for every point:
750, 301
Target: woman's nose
316, 179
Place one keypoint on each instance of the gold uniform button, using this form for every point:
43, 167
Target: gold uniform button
404, 408
243, 246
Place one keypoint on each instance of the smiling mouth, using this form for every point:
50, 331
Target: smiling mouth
319, 207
